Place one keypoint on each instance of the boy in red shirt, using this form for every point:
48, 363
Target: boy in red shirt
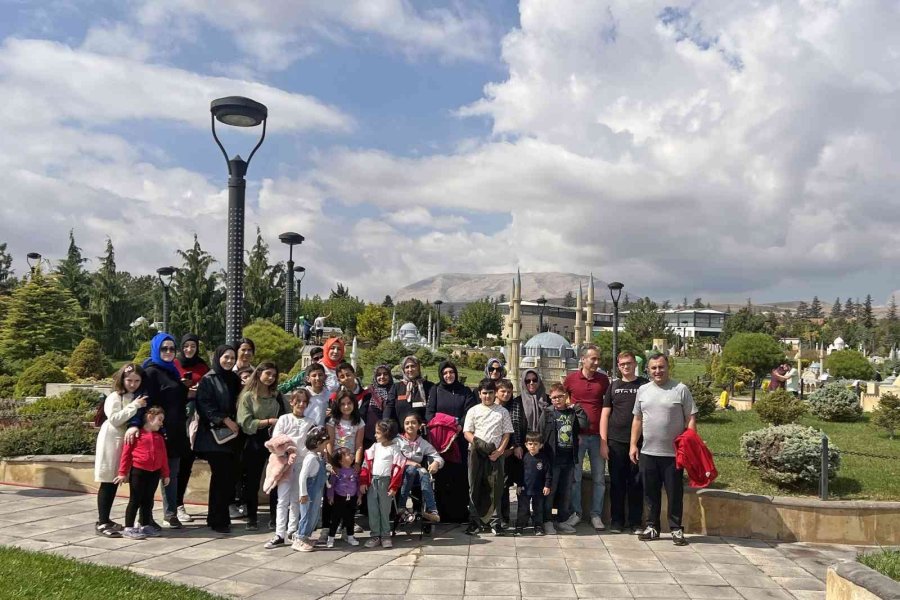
143, 462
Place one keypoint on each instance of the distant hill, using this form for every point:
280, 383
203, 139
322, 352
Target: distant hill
468, 287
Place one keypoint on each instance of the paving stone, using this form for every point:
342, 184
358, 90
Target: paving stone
699, 579
267, 577
782, 570
493, 562
437, 587
808, 595
447, 573
191, 580
379, 586
749, 581
711, 592
646, 577
550, 590
799, 583
597, 590
498, 575
656, 590
591, 576
390, 572
345, 571
238, 589
76, 551
542, 563
583, 564
442, 560
764, 594
639, 565
544, 576
220, 570
167, 563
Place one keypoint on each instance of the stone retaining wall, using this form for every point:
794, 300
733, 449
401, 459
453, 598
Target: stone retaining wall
855, 581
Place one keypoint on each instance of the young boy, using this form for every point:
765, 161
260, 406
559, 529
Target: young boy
537, 479
348, 380
563, 422
318, 401
512, 458
487, 428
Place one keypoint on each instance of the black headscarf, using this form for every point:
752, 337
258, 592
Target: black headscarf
228, 377
193, 361
449, 386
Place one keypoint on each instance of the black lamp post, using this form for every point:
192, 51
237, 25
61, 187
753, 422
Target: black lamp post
615, 292
291, 239
301, 271
34, 261
237, 112
543, 302
437, 343
165, 275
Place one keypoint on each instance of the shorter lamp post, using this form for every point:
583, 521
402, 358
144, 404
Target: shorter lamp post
301, 271
291, 239
34, 260
438, 335
615, 292
543, 302
165, 275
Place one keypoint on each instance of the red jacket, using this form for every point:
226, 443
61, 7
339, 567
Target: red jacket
692, 455
397, 469
443, 430
148, 452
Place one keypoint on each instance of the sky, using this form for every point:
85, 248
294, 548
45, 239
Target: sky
686, 148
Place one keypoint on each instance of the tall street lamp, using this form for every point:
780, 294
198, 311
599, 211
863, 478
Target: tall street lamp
543, 302
236, 111
437, 343
165, 275
291, 239
615, 292
34, 260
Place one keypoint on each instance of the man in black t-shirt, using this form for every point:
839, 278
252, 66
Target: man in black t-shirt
615, 437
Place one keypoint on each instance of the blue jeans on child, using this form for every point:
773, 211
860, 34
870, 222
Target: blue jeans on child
413, 475
309, 512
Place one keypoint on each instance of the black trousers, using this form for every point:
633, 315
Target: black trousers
530, 505
143, 486
106, 495
625, 488
184, 474
341, 513
255, 459
658, 472
513, 474
222, 475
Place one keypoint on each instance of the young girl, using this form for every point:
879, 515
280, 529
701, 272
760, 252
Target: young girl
383, 472
297, 427
259, 407
345, 430
312, 484
422, 460
143, 462
119, 407
343, 496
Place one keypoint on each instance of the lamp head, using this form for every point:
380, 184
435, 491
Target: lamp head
615, 290
542, 301
299, 269
238, 111
168, 273
438, 302
291, 239
33, 259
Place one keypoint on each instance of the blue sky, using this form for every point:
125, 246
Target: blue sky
686, 148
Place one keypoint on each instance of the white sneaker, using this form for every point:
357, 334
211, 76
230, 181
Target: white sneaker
329, 543
386, 542
573, 520
373, 542
352, 540
183, 515
597, 522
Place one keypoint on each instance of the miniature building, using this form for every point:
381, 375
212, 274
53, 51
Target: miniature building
551, 355
409, 336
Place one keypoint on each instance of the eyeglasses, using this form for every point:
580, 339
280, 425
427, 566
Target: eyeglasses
557, 397
167, 348
495, 369
627, 364
530, 381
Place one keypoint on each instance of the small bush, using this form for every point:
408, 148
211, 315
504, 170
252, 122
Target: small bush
849, 364
75, 402
386, 353
887, 414
88, 361
33, 380
788, 455
142, 354
704, 399
835, 402
477, 361
56, 434
779, 408
425, 356
8, 386
274, 344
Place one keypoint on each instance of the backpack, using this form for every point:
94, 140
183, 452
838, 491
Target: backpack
100, 414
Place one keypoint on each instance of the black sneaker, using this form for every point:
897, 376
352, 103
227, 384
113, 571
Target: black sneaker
274, 542
678, 537
498, 531
517, 531
236, 511
252, 526
615, 528
172, 523
539, 530
650, 533
473, 529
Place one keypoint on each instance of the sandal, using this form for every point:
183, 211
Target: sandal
108, 530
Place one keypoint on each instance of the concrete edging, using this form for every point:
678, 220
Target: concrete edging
848, 580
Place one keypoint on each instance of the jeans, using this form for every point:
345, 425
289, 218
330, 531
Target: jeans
658, 472
309, 512
590, 445
379, 506
185, 468
413, 475
560, 488
169, 492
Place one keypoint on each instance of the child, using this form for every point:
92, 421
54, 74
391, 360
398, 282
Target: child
537, 478
318, 394
296, 426
422, 461
312, 485
143, 462
563, 422
512, 458
343, 496
383, 472
244, 373
348, 380
487, 428
345, 430
119, 407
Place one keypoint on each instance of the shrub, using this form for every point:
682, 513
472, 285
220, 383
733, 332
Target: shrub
849, 364
7, 386
887, 414
33, 380
57, 434
788, 455
758, 352
142, 354
779, 408
476, 361
274, 344
835, 402
425, 356
75, 402
386, 353
88, 361
704, 399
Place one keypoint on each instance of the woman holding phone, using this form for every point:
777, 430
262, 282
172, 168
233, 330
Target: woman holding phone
192, 367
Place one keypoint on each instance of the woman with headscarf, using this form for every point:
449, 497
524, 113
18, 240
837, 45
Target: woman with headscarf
191, 367
162, 384
494, 370
333, 355
379, 403
452, 398
527, 414
217, 407
412, 392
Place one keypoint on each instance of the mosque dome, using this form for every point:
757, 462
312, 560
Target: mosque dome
547, 344
409, 328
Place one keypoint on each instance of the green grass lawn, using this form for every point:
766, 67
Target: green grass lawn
31, 575
688, 369
886, 562
858, 478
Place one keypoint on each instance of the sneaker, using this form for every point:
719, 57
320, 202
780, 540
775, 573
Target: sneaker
303, 546
323, 537
329, 542
274, 543
352, 540
498, 531
386, 542
597, 523
615, 528
636, 529
573, 520
252, 526
293, 536
678, 537
153, 525
172, 523
650, 533
549, 529
564, 528
150, 531
539, 531
373, 542
473, 529
517, 531
183, 515
434, 517
235, 512
357, 529
107, 530
115, 526
134, 533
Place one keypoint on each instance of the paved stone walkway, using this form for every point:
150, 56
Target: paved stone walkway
450, 565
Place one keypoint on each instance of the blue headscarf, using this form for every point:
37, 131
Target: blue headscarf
156, 359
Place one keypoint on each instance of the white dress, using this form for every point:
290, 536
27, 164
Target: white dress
119, 409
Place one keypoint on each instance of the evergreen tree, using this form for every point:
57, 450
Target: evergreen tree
7, 281
341, 291
868, 318
684, 303
198, 302
413, 311
41, 316
836, 311
569, 299
645, 322
109, 310
698, 303
802, 311
502, 298
891, 326
263, 285
388, 302
815, 308
72, 274
626, 303
743, 321
144, 293
480, 318
849, 310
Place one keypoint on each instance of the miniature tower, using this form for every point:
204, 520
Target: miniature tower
515, 326
394, 325
589, 314
428, 335
579, 319
354, 353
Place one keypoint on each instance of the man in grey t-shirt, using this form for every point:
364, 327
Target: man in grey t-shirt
663, 409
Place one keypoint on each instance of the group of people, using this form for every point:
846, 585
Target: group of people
785, 377
324, 446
